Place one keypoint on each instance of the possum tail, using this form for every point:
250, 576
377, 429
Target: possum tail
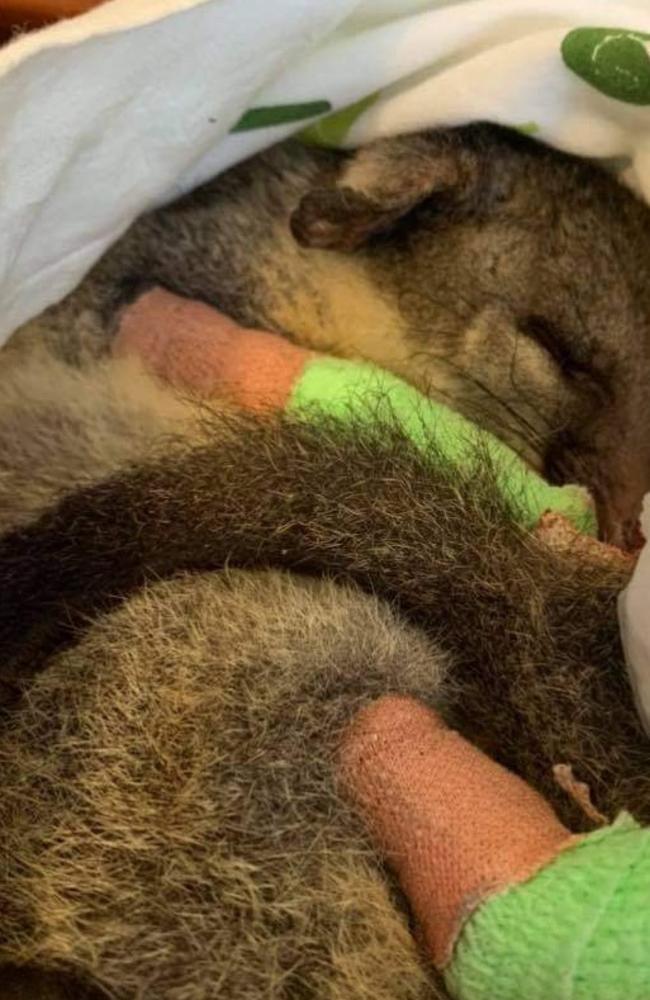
533, 632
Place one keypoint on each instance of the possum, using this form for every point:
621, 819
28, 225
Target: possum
195, 603
502, 277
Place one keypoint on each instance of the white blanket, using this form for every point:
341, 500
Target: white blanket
106, 115
103, 116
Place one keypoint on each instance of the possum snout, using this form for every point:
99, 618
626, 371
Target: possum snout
617, 476
619, 519
622, 476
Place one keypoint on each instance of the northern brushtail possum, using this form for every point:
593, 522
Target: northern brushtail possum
193, 605
503, 277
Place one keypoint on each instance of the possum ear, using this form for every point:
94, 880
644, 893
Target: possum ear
382, 183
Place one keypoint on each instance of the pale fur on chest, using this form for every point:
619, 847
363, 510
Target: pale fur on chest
333, 303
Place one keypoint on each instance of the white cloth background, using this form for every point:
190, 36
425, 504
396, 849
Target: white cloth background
105, 115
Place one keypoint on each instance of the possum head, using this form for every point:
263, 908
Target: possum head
522, 276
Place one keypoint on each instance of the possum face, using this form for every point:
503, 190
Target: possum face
522, 277
504, 278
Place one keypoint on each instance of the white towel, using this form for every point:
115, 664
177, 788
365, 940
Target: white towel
106, 115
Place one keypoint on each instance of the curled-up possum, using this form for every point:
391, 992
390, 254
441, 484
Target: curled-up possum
500, 276
194, 604
206, 606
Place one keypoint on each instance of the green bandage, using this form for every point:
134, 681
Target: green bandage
578, 930
346, 389
194, 346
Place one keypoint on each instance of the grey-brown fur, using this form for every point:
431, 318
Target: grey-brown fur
61, 428
169, 810
501, 276
188, 840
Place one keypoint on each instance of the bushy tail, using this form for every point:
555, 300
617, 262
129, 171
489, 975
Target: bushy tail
539, 673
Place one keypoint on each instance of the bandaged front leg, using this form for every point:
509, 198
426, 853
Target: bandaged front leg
509, 903
455, 826
199, 350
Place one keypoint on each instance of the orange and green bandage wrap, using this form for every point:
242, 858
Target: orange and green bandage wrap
510, 904
197, 348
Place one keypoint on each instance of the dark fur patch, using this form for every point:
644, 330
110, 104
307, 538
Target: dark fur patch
25, 983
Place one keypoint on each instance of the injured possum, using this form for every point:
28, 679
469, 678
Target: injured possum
207, 599
502, 277
169, 809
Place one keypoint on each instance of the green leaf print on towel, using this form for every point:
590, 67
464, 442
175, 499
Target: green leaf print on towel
280, 114
332, 130
527, 128
613, 60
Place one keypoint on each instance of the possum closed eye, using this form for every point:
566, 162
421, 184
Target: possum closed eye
504, 278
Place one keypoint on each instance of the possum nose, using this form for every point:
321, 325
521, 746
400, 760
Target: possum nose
618, 513
617, 481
